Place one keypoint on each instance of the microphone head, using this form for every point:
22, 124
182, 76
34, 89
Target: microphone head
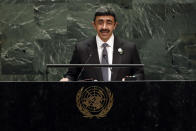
104, 55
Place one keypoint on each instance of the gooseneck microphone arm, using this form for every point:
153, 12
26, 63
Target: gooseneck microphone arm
82, 70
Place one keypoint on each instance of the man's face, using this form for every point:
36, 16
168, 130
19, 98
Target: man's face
104, 25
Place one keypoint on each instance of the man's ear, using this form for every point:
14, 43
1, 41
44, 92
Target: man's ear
93, 24
115, 25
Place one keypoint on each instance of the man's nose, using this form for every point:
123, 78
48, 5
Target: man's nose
104, 26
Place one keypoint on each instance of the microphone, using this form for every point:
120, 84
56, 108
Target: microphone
89, 56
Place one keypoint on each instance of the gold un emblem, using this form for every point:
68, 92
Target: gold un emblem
94, 101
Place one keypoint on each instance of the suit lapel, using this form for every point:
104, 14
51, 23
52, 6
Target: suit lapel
116, 58
95, 58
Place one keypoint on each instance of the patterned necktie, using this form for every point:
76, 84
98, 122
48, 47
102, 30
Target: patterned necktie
104, 61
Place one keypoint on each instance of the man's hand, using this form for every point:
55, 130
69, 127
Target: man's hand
123, 79
129, 78
64, 79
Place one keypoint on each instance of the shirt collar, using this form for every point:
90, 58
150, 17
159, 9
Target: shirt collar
110, 42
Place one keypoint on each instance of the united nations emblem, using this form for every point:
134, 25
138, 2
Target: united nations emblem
94, 101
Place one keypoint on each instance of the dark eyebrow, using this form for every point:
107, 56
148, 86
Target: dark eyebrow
100, 20
109, 20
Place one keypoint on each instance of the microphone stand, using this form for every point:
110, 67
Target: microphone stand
79, 75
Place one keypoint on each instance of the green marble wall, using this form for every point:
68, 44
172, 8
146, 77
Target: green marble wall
34, 33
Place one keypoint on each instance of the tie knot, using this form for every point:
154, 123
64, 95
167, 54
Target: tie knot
104, 45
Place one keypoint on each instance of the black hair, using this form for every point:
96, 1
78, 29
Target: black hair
105, 11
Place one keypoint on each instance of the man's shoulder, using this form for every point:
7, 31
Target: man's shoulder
125, 42
87, 41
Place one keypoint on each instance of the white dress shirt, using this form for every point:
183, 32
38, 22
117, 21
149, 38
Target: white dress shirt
109, 48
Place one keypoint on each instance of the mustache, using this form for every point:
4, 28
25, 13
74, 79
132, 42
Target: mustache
104, 30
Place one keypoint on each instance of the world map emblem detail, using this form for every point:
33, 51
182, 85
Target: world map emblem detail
94, 101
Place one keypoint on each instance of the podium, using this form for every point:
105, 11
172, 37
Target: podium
137, 106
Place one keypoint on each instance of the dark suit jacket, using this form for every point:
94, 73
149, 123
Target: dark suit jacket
86, 53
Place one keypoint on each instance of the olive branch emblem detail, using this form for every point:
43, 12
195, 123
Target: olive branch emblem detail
94, 101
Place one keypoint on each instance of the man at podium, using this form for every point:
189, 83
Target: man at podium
104, 48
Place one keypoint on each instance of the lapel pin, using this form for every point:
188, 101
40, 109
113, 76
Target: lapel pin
120, 51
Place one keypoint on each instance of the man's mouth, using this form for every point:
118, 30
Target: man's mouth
104, 31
